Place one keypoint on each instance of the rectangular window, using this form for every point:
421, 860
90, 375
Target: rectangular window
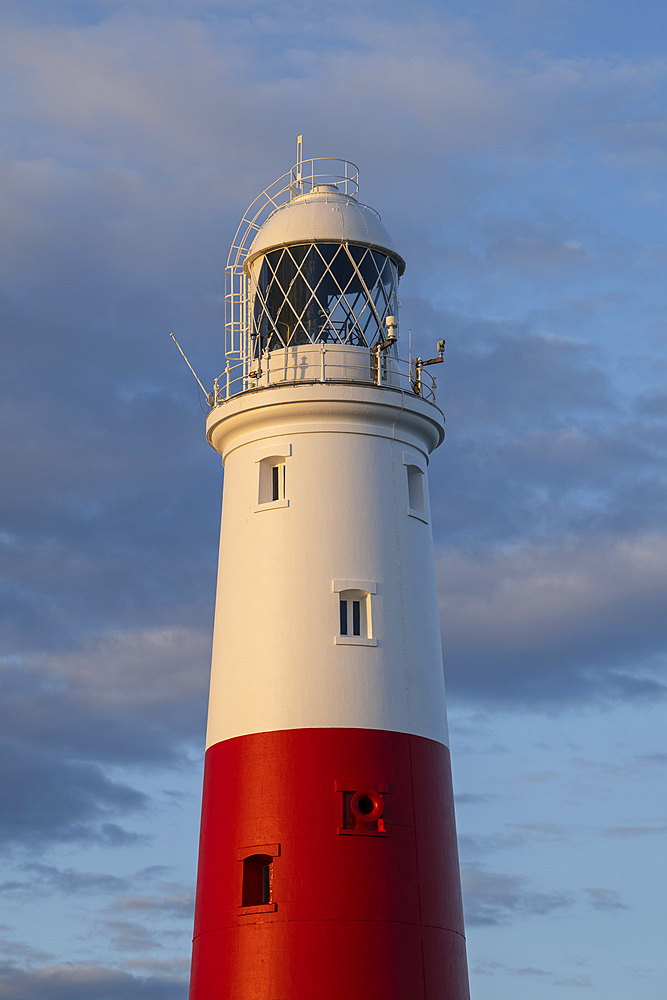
277, 482
343, 617
354, 614
415, 489
272, 483
256, 880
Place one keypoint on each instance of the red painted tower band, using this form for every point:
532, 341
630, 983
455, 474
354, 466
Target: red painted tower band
357, 909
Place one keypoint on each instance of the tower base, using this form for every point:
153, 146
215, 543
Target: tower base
328, 868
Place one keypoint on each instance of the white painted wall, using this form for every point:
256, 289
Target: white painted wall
276, 663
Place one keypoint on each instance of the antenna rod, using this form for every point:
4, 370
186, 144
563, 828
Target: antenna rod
188, 364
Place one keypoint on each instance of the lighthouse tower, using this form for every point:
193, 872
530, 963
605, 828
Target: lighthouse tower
328, 864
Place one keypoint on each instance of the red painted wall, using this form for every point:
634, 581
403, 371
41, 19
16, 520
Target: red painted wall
352, 915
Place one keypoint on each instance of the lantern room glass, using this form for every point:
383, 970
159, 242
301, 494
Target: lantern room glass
322, 293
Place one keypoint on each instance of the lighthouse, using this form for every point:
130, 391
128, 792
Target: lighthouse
328, 864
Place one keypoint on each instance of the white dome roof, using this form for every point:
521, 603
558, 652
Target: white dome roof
323, 215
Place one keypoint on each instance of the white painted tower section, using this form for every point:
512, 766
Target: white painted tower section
283, 624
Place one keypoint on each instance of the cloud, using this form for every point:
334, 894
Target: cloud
70, 882
605, 899
45, 798
179, 905
632, 831
127, 935
581, 980
159, 967
472, 798
527, 252
80, 982
134, 697
22, 952
513, 835
556, 623
488, 968
492, 899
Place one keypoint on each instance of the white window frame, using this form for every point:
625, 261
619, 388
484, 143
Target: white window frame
359, 590
267, 458
411, 460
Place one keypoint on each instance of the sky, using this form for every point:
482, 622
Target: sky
517, 152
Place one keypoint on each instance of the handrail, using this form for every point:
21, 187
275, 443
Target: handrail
308, 364
300, 180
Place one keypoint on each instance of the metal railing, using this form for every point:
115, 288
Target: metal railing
292, 366
300, 180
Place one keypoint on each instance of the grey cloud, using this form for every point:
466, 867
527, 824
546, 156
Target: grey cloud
556, 623
489, 363
605, 899
125, 935
474, 846
653, 405
471, 798
133, 696
581, 980
40, 880
22, 952
159, 967
179, 905
534, 253
45, 798
632, 831
487, 968
70, 882
542, 831
492, 899
81, 982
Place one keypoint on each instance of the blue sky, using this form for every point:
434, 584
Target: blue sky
517, 153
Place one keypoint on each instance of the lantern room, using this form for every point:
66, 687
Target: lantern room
321, 270
312, 289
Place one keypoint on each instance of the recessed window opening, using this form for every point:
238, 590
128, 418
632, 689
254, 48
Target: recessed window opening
257, 880
415, 488
354, 617
278, 482
272, 479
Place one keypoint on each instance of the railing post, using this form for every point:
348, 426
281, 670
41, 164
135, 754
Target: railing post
323, 351
227, 372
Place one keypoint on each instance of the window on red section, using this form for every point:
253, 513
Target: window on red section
257, 880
